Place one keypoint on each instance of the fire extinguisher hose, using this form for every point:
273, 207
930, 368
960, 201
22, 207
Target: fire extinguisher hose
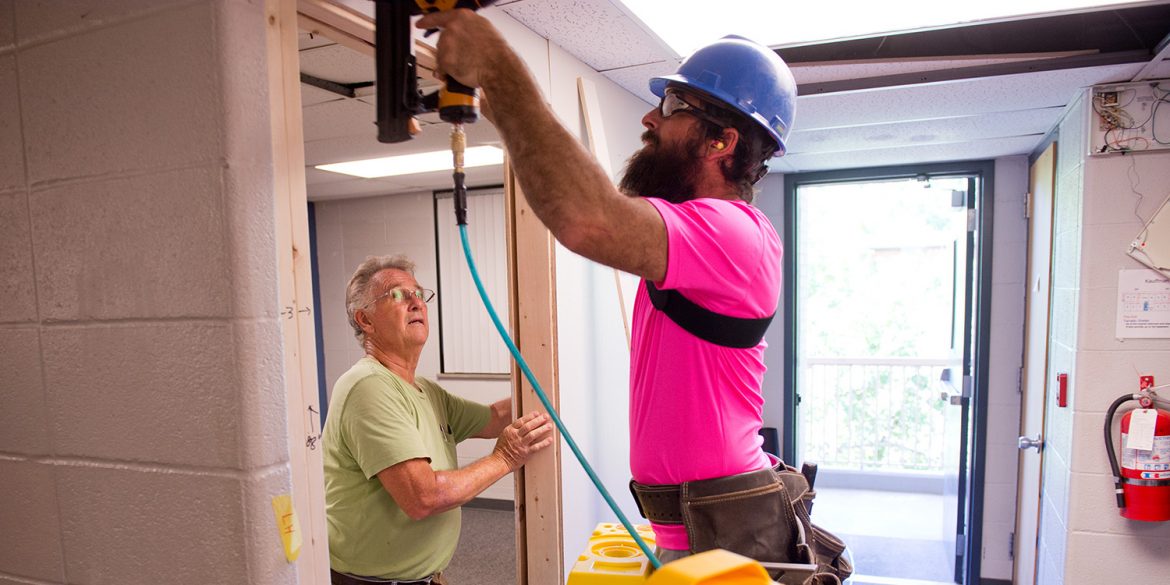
1118, 490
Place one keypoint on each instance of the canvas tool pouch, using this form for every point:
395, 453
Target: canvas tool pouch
762, 515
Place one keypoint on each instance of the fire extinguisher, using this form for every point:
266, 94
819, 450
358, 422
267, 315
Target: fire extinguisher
1142, 483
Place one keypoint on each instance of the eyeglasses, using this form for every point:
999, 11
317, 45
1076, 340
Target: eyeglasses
401, 295
673, 103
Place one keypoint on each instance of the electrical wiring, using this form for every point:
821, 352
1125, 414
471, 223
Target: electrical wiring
1158, 101
1121, 131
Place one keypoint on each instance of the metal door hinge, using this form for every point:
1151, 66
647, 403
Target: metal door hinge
1011, 546
972, 219
960, 545
1028, 205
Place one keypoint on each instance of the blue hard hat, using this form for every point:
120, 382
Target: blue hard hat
746, 77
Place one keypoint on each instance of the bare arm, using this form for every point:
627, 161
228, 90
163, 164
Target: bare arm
501, 416
566, 188
422, 492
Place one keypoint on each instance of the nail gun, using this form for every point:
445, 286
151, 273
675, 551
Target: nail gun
399, 100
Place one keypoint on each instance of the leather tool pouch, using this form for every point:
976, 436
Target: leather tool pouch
748, 514
763, 515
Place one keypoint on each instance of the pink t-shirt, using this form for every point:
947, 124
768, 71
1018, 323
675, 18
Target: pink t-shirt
695, 407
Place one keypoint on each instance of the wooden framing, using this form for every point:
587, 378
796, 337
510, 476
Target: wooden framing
532, 283
296, 290
532, 271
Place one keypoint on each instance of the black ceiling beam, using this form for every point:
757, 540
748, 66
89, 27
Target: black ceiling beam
348, 90
1104, 31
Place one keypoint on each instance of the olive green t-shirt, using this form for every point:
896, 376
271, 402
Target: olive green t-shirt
376, 420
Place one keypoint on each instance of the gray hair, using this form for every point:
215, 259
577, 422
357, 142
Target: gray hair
357, 292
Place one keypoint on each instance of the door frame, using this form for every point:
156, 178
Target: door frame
984, 202
1033, 391
532, 283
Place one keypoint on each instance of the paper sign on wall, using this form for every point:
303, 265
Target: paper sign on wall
1143, 304
288, 525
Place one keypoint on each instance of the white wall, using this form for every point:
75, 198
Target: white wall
1083, 538
142, 405
348, 231
1009, 259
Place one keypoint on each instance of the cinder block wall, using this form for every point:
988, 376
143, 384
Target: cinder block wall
1097, 215
142, 410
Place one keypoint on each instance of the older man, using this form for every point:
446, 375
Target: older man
392, 483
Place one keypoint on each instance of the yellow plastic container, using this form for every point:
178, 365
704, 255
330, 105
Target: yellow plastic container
612, 557
714, 567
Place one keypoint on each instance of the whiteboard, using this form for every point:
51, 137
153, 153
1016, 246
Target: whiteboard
1129, 117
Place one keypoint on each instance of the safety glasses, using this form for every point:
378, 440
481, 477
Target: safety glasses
673, 103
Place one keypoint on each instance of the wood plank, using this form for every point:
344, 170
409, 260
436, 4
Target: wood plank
540, 523
354, 30
295, 293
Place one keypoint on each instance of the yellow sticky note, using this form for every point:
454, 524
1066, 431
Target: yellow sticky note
288, 525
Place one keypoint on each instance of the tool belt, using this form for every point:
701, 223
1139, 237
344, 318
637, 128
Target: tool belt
763, 515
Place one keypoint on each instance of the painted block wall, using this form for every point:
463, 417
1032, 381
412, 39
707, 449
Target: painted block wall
349, 230
142, 408
1107, 367
1097, 215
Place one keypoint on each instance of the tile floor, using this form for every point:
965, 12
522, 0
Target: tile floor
894, 537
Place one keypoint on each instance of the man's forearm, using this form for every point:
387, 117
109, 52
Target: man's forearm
458, 486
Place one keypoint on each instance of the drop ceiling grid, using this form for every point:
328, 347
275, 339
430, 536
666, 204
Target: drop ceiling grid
952, 98
921, 154
338, 118
944, 130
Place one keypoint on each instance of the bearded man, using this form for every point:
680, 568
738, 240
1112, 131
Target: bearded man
710, 264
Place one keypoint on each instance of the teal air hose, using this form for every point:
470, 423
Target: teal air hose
544, 399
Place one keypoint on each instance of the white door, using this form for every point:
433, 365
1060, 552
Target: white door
1034, 384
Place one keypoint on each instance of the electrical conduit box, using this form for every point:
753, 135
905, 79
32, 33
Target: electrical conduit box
1129, 117
612, 557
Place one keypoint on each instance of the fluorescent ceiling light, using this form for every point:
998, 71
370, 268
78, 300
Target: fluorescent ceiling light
410, 164
686, 25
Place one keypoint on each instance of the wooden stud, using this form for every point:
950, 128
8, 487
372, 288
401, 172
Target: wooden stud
296, 293
539, 521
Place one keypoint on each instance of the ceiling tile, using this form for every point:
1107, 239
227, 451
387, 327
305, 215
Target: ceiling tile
598, 33
342, 117
917, 133
952, 98
338, 64
312, 95
905, 155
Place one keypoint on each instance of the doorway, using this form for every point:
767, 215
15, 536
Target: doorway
884, 275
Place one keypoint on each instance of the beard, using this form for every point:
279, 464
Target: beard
668, 173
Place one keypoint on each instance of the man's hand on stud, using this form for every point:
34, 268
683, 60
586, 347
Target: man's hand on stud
524, 437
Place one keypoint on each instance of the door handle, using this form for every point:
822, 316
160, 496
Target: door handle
1025, 443
952, 399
